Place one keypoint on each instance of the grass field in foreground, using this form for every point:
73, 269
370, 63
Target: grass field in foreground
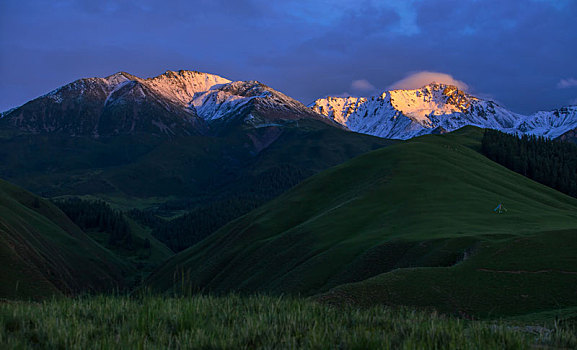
235, 322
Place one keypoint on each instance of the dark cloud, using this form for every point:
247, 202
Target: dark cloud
515, 51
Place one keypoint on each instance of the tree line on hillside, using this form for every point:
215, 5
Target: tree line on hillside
552, 163
205, 217
192, 227
98, 215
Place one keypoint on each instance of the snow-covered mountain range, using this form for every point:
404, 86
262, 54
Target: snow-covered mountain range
190, 102
174, 103
403, 114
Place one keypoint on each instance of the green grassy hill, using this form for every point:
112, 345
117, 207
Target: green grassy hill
42, 253
410, 224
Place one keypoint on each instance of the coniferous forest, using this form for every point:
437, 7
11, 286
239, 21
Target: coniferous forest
202, 219
192, 227
98, 215
550, 162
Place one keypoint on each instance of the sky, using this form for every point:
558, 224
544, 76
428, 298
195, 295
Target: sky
520, 53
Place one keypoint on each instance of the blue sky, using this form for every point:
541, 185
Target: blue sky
521, 53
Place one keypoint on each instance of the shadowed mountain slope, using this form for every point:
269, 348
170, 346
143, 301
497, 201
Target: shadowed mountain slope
42, 253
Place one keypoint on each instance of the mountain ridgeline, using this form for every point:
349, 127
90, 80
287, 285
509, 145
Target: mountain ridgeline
439, 108
193, 103
171, 104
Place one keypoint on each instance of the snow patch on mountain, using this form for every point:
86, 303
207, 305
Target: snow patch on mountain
112, 81
3, 114
216, 104
181, 86
118, 86
550, 124
55, 97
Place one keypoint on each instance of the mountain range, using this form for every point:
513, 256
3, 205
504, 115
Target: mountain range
190, 102
437, 108
171, 104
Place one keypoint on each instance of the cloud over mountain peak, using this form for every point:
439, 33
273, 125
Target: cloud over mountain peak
420, 79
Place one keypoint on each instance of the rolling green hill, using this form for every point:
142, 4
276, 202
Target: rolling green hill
409, 224
42, 253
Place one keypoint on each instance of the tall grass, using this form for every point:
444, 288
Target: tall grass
235, 322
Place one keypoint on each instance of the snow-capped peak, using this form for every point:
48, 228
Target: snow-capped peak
234, 98
177, 87
432, 99
118, 78
181, 86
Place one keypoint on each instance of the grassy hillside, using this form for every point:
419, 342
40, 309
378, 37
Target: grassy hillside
43, 253
257, 322
410, 224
